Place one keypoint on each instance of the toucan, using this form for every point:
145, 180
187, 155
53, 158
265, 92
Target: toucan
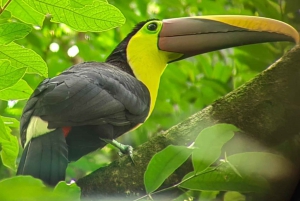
92, 103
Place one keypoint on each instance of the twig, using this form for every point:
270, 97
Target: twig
176, 185
4, 7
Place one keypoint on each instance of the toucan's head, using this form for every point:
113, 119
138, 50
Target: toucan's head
155, 43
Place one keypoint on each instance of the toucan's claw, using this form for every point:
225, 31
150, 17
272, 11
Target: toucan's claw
124, 149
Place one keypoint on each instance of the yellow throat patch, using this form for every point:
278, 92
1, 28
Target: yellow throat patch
146, 60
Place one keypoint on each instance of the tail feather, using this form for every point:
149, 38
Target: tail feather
45, 157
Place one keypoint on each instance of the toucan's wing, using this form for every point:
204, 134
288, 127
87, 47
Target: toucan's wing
88, 94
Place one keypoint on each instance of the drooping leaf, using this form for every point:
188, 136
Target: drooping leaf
10, 147
9, 75
209, 144
163, 164
21, 57
100, 16
13, 31
25, 13
20, 91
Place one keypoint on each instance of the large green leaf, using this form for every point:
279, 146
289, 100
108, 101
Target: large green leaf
209, 144
100, 16
9, 75
64, 191
25, 13
163, 164
224, 180
21, 57
23, 188
10, 147
20, 91
29, 188
13, 31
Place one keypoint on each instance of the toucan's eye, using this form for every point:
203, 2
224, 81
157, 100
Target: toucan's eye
152, 26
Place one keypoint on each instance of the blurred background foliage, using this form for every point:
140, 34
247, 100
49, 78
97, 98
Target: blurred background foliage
186, 86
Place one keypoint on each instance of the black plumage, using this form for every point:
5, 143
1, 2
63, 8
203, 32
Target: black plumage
45, 157
98, 100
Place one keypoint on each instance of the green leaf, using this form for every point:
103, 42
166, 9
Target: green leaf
10, 147
64, 191
163, 164
224, 180
208, 195
260, 163
187, 195
234, 196
10, 122
21, 57
13, 31
9, 75
5, 15
29, 188
80, 4
209, 144
20, 91
23, 188
25, 13
100, 16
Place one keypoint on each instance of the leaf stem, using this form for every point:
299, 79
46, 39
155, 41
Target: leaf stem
4, 7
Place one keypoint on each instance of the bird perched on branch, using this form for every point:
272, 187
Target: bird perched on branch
91, 104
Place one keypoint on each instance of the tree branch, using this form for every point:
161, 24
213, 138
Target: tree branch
266, 108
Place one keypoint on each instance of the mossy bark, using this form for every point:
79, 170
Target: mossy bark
266, 109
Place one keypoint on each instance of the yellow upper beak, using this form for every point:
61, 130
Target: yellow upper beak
195, 35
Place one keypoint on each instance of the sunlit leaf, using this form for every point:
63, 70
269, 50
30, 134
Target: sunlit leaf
25, 13
10, 147
5, 16
209, 143
80, 4
163, 164
64, 191
9, 75
13, 31
21, 57
11, 122
21, 90
100, 16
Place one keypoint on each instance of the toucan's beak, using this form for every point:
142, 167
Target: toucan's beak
195, 35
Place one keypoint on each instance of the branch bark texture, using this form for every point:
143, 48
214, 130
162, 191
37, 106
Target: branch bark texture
266, 109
